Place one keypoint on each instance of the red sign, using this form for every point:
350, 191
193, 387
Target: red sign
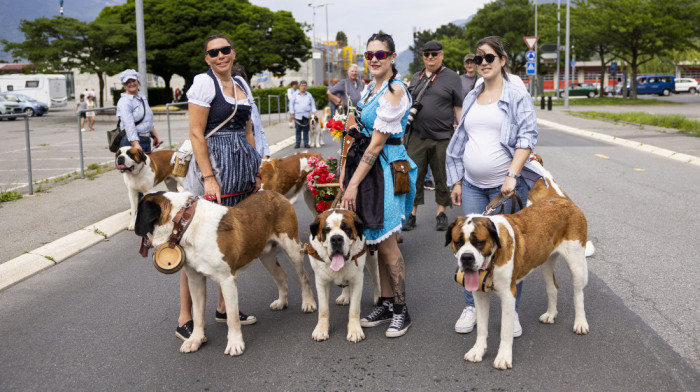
531, 42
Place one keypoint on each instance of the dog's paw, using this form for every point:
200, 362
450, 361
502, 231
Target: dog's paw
192, 344
343, 299
308, 306
278, 305
235, 346
548, 318
503, 361
475, 354
581, 327
355, 335
320, 333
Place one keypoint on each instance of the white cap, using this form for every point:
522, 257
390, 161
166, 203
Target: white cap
128, 74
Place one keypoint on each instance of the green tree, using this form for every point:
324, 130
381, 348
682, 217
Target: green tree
342, 39
453, 43
62, 44
641, 30
590, 26
176, 29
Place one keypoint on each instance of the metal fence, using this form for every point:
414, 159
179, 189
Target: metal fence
29, 149
167, 116
80, 134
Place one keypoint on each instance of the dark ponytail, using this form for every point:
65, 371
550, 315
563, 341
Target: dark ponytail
386, 39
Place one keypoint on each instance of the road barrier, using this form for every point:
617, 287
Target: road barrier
279, 113
167, 116
80, 134
29, 150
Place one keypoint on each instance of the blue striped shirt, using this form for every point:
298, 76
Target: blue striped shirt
302, 105
518, 130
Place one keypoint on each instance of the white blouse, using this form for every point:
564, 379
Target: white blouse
202, 91
389, 117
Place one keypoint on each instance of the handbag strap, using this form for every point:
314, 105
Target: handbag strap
235, 109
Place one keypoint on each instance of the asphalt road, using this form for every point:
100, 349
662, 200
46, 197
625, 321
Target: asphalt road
105, 318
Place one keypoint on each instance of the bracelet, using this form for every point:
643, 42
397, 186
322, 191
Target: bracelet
209, 176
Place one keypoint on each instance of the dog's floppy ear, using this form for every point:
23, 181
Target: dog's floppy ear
146, 216
493, 232
142, 156
313, 227
448, 234
359, 225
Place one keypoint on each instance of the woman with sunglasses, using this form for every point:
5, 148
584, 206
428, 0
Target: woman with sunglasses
382, 112
226, 163
488, 154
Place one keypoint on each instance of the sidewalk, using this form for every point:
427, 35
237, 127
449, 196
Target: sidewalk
42, 230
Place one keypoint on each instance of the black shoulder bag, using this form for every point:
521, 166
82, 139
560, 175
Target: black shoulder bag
114, 136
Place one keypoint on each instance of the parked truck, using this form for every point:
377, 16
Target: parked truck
47, 88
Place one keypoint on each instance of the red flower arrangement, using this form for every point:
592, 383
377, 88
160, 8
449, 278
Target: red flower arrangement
323, 173
336, 127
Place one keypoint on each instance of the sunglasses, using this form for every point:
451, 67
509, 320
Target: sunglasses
428, 54
215, 52
380, 55
478, 60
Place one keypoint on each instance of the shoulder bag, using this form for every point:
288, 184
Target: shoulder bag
114, 136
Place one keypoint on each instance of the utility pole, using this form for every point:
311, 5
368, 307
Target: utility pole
328, 41
566, 57
60, 7
141, 48
556, 93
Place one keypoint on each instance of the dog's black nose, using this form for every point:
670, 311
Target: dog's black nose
120, 160
467, 258
337, 240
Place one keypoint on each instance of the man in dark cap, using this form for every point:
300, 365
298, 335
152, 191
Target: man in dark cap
470, 76
440, 105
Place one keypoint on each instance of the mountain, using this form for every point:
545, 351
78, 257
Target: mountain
12, 12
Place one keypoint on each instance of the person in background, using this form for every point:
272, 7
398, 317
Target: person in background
80, 105
291, 91
135, 115
90, 104
368, 185
432, 128
351, 88
470, 76
225, 165
489, 151
331, 103
300, 111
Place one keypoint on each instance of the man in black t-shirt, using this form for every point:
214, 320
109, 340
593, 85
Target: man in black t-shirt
432, 128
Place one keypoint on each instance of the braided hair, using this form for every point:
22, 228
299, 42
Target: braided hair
386, 38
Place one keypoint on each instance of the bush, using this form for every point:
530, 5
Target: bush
318, 92
156, 96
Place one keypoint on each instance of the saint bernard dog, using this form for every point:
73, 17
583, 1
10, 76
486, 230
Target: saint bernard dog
338, 255
315, 132
288, 176
509, 247
220, 242
142, 172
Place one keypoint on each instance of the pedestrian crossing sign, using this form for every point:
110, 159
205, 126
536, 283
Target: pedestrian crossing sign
530, 68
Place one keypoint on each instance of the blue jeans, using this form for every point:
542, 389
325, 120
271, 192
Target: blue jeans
144, 141
304, 127
474, 201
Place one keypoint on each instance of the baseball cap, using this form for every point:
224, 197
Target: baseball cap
431, 45
469, 56
128, 74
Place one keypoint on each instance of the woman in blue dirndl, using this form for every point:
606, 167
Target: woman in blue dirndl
368, 184
225, 165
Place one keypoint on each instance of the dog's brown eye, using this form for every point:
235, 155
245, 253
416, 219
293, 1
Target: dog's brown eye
326, 230
479, 244
459, 243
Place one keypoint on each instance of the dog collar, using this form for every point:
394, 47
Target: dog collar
182, 220
309, 250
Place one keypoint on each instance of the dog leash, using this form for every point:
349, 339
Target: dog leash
212, 197
500, 201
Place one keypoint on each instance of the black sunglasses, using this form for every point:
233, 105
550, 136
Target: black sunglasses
428, 54
380, 55
215, 52
478, 60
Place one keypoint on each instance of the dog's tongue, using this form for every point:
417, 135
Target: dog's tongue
471, 280
337, 262
121, 167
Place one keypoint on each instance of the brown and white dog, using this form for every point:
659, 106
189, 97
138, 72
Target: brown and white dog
288, 176
338, 255
315, 132
220, 242
142, 172
512, 246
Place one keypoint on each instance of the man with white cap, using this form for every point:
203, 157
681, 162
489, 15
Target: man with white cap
135, 115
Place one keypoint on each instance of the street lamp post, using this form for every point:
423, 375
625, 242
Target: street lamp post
326, 61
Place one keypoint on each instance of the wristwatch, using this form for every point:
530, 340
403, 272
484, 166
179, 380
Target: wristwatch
513, 175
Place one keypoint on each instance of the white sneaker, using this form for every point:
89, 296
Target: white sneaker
466, 321
82, 129
517, 329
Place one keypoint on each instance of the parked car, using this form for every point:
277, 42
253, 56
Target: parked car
581, 89
9, 107
656, 84
689, 85
28, 104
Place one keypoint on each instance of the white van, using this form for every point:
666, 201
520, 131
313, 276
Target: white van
50, 89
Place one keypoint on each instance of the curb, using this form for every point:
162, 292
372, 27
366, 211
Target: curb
31, 263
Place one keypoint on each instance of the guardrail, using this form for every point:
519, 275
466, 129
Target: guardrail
167, 116
29, 150
80, 134
279, 113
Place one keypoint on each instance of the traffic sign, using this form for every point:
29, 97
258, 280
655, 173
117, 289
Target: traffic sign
613, 66
573, 63
531, 41
531, 56
530, 68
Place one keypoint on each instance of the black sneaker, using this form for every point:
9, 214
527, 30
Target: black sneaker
399, 324
380, 315
429, 185
410, 223
296, 146
441, 219
245, 319
185, 331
